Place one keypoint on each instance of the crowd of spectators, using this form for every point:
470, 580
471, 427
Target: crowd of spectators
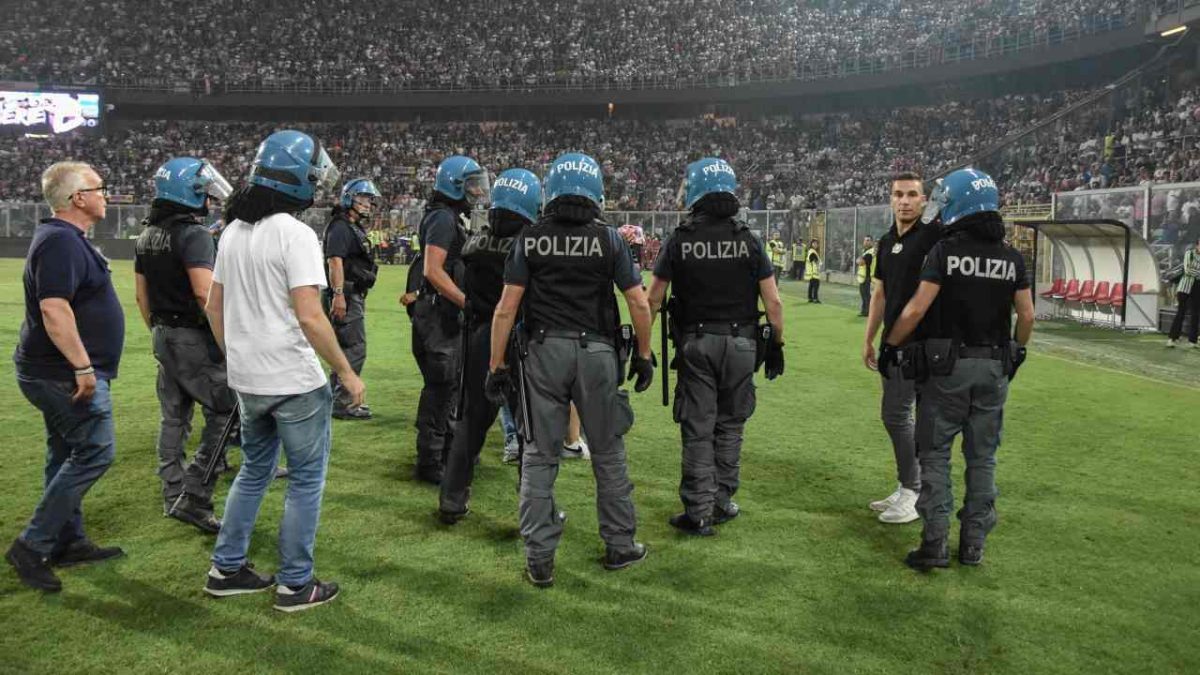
816, 161
417, 43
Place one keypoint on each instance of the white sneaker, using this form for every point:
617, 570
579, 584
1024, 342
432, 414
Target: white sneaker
1171, 344
904, 510
577, 451
886, 503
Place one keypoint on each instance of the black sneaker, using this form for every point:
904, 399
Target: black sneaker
32, 568
932, 553
724, 514
84, 551
187, 510
359, 413
697, 528
617, 560
314, 593
237, 582
970, 554
540, 573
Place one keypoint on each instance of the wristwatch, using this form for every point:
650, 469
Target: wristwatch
337, 291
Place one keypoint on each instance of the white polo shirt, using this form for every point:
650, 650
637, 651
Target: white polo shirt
257, 266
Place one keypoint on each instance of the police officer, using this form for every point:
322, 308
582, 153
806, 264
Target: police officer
516, 199
460, 184
898, 260
718, 271
173, 274
970, 284
351, 273
560, 274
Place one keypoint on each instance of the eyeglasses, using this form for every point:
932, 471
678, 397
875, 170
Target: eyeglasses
103, 190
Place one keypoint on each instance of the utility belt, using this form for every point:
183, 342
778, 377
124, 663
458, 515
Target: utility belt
171, 320
936, 357
730, 328
539, 335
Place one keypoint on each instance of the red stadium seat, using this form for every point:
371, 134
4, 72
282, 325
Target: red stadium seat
1071, 289
1101, 294
1055, 289
1081, 291
1105, 293
1136, 288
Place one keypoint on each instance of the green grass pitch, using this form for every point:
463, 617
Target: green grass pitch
1093, 567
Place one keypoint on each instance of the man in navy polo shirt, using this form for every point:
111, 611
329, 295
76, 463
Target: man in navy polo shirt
69, 351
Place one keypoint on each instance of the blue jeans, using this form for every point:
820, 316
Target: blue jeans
80, 446
301, 422
508, 424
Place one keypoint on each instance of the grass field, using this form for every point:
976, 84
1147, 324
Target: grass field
1093, 568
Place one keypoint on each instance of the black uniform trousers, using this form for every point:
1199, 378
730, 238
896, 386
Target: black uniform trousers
435, 346
470, 430
191, 369
351, 334
864, 292
714, 396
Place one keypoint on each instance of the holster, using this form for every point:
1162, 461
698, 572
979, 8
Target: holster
1010, 358
625, 349
764, 336
913, 364
940, 356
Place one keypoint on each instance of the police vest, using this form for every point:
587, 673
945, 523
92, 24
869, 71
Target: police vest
160, 251
572, 268
715, 272
440, 213
483, 256
358, 268
978, 281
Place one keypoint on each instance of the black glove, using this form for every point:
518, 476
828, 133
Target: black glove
497, 385
774, 362
1017, 359
643, 370
889, 355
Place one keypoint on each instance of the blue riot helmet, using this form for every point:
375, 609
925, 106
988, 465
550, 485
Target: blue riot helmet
707, 176
575, 174
357, 187
295, 164
519, 191
461, 178
188, 181
960, 194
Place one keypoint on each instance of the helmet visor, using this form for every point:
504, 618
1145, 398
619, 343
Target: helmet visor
325, 173
215, 184
937, 200
477, 188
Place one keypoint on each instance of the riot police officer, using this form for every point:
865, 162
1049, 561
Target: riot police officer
351, 273
718, 271
560, 274
173, 274
969, 286
516, 199
460, 184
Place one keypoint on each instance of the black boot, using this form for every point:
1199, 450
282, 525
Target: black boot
83, 551
724, 514
615, 560
932, 553
540, 573
970, 554
697, 528
32, 568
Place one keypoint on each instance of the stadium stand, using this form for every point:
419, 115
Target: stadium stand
412, 44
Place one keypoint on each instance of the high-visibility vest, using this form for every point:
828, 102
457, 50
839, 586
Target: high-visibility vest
812, 264
864, 271
797, 254
776, 248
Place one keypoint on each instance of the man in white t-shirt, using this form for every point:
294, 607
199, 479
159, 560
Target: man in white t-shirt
265, 311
